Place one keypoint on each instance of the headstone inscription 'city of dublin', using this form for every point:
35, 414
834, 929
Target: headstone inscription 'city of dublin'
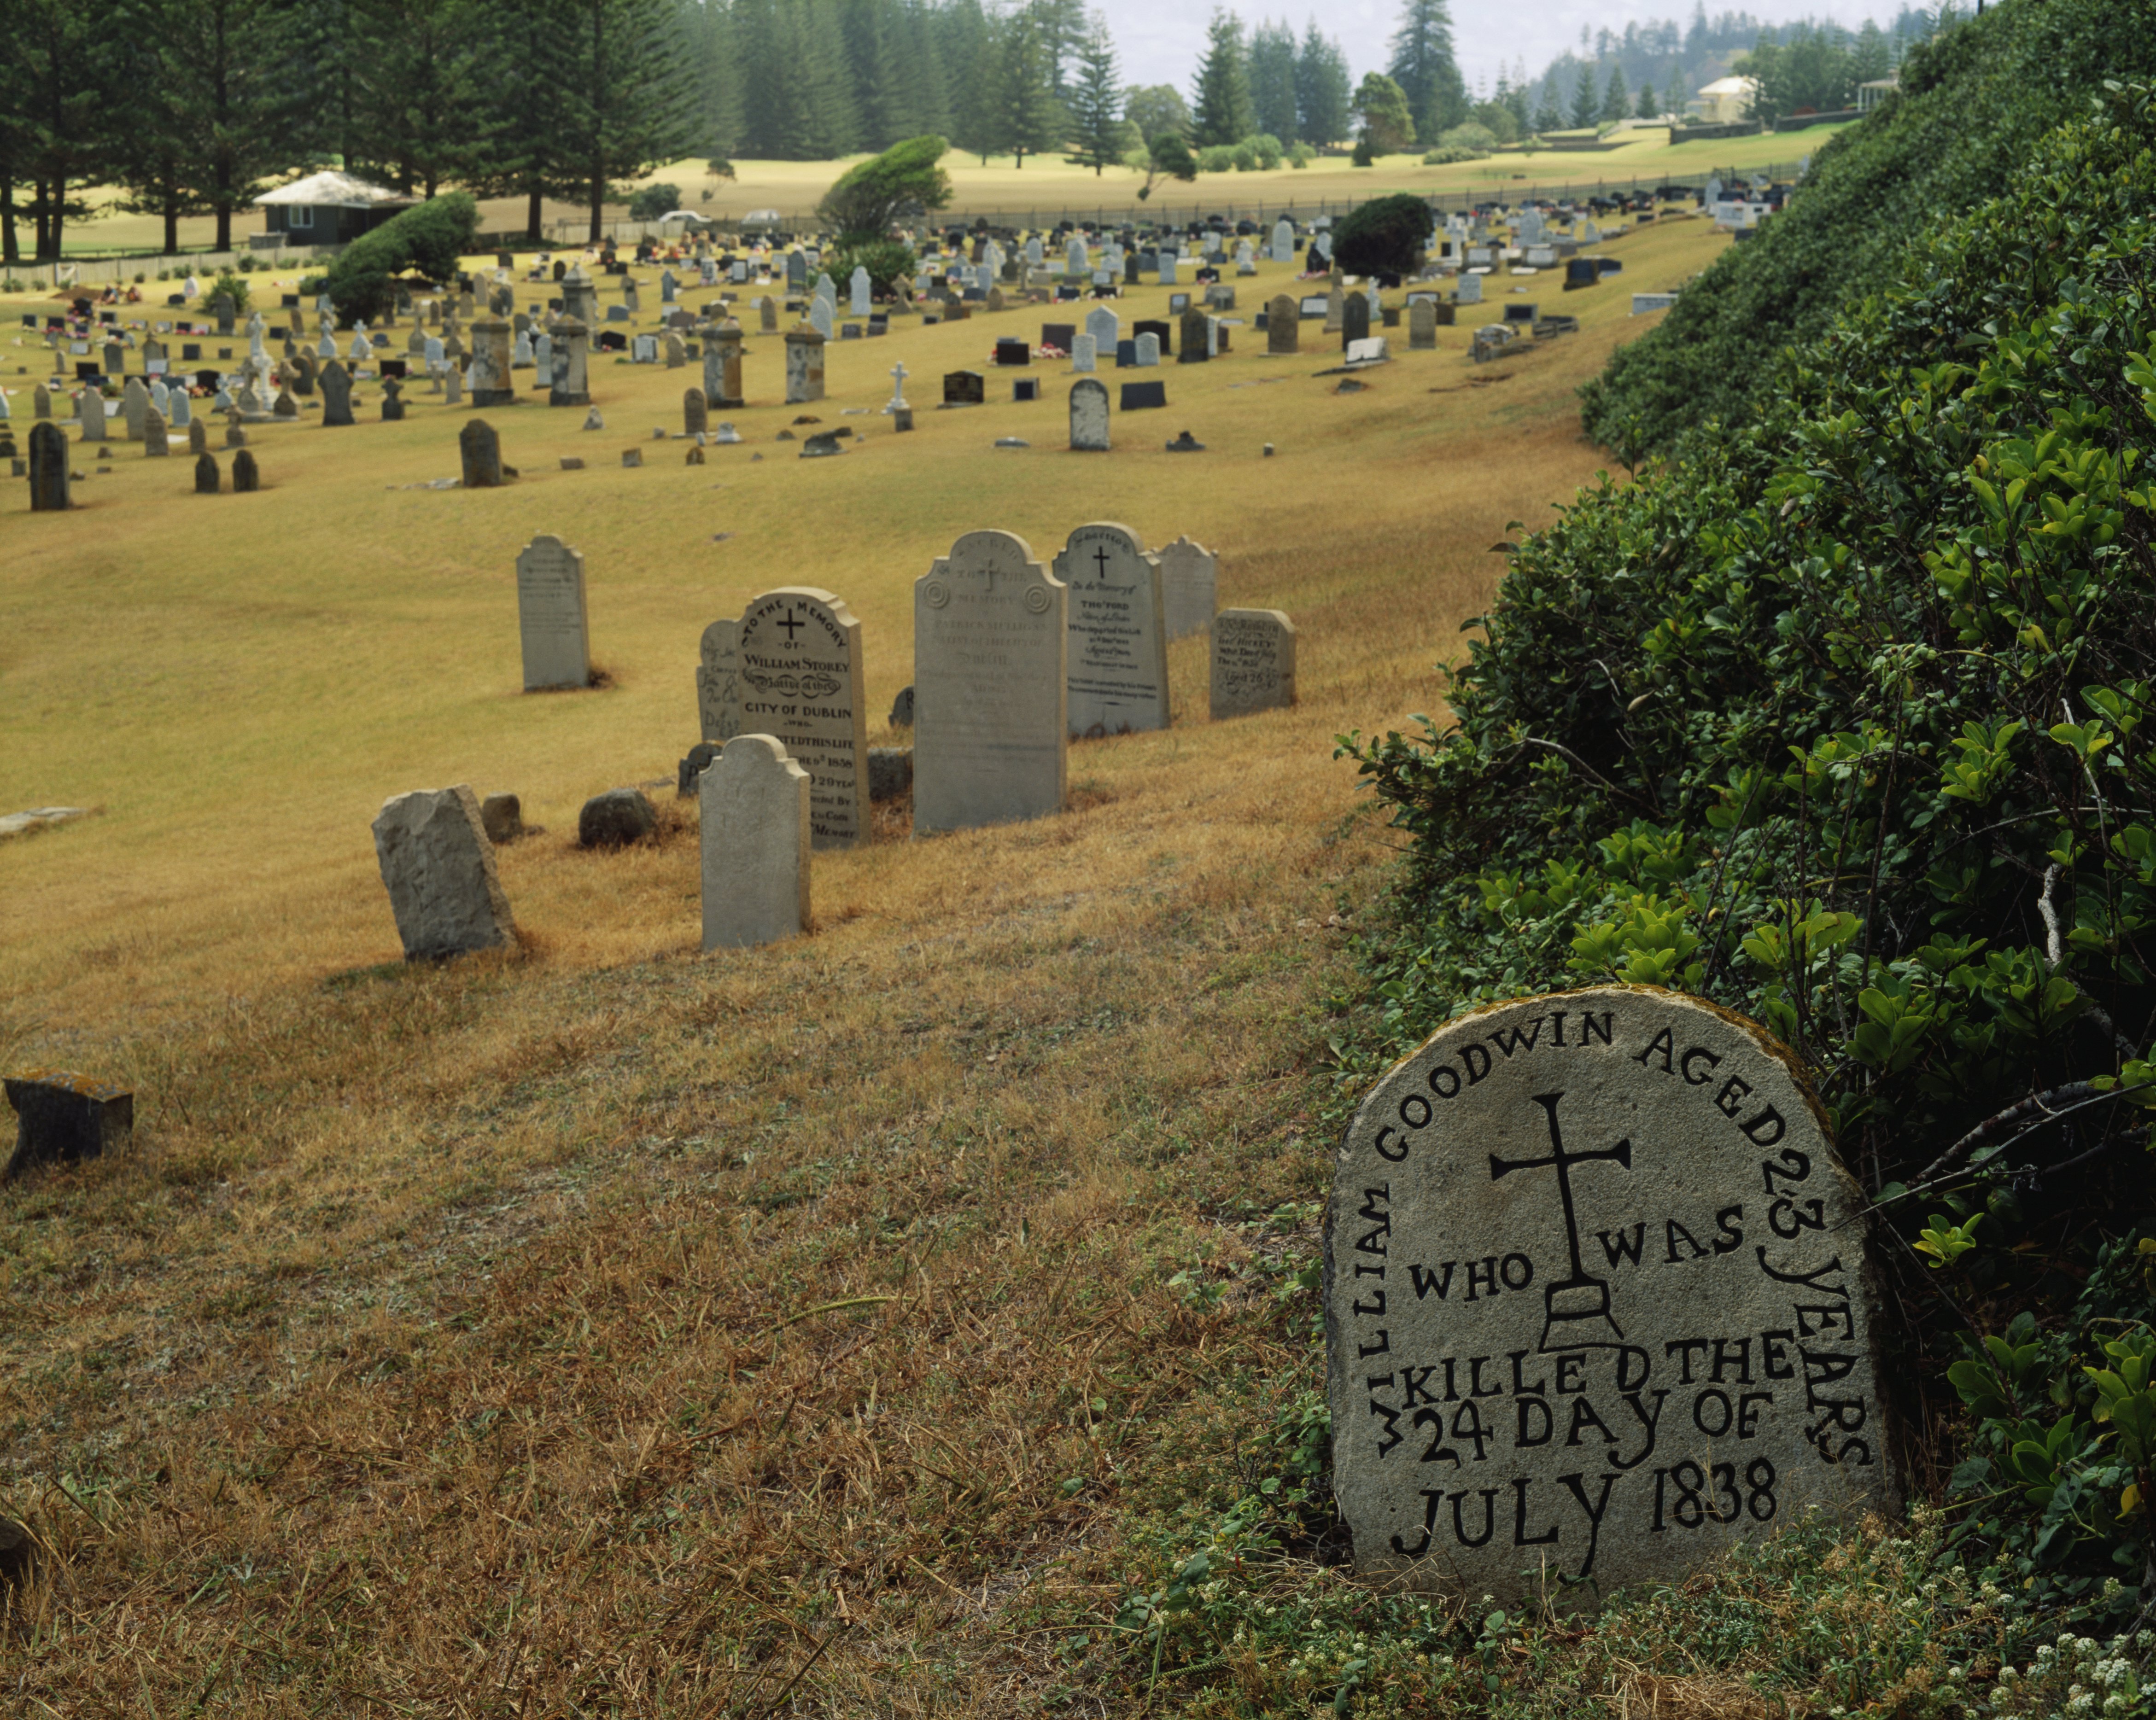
799, 664
1597, 1302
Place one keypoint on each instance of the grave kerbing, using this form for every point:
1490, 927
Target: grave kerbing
1596, 1303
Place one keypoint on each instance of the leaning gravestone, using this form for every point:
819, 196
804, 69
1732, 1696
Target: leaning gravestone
480, 448
1118, 648
800, 658
1253, 662
990, 656
718, 682
1190, 583
754, 805
550, 615
1596, 1302
437, 865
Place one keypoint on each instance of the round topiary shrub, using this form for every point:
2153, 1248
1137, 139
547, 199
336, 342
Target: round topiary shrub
1385, 236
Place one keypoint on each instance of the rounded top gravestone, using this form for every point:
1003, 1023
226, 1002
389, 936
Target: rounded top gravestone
1597, 1303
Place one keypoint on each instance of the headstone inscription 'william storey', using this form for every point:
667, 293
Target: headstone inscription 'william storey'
1118, 640
800, 677
990, 655
1596, 1302
551, 620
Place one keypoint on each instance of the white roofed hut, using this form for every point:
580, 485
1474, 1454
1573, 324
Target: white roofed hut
328, 208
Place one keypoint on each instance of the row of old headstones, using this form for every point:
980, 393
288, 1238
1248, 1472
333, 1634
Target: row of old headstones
1009, 659
51, 481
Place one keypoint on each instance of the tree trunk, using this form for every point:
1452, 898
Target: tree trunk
224, 227
11, 249
171, 224
598, 204
531, 218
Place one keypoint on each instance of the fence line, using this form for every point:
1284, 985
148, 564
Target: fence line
97, 271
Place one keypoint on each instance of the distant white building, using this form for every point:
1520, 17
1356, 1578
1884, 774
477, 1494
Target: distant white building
1724, 102
1870, 94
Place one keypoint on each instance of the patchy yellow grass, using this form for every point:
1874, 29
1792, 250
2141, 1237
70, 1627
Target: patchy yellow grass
612, 1325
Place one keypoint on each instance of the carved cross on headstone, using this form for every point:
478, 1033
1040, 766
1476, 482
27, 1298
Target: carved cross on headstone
1559, 1306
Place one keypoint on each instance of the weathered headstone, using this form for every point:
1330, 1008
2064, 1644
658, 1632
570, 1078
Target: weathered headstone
571, 386
696, 412
990, 657
50, 486
336, 396
206, 477
155, 445
1283, 327
1572, 1345
437, 866
1089, 415
1118, 636
199, 437
804, 366
134, 403
615, 819
1190, 578
1422, 326
1253, 662
1195, 338
718, 681
754, 807
246, 475
722, 366
63, 1118
89, 415
481, 449
801, 679
1354, 320
551, 618
492, 382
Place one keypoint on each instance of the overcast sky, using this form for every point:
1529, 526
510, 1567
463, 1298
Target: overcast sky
1160, 40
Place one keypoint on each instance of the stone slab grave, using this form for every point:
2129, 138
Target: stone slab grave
753, 804
551, 622
64, 1118
1253, 662
1597, 1305
1118, 640
1190, 583
801, 679
438, 865
990, 663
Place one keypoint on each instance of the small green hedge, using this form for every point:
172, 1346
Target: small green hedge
431, 238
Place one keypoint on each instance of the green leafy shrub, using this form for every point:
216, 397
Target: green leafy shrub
1973, 102
1449, 153
1216, 158
1385, 236
871, 196
1302, 156
234, 288
654, 201
887, 260
1841, 720
430, 238
248, 265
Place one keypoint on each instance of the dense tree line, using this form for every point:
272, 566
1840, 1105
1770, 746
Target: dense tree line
193, 107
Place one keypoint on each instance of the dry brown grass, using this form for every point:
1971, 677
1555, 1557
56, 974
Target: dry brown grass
611, 1329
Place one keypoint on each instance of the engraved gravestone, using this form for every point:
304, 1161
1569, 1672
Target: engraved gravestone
718, 681
800, 671
1596, 1302
1253, 662
1118, 642
551, 617
754, 805
990, 739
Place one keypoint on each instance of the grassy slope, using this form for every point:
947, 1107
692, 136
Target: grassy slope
447, 1338
795, 187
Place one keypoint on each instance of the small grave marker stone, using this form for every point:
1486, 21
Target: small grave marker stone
1190, 578
753, 803
1253, 662
437, 865
550, 616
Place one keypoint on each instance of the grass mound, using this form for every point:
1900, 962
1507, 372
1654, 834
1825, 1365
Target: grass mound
1842, 722
1974, 102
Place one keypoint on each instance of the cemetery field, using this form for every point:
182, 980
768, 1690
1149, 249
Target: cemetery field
1050, 184
856, 1321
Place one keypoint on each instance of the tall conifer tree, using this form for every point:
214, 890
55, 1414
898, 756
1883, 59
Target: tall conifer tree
1423, 65
1322, 90
1096, 103
1272, 81
1221, 104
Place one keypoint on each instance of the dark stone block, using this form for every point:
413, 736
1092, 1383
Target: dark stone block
615, 819
502, 817
891, 771
1139, 396
62, 1119
901, 709
695, 765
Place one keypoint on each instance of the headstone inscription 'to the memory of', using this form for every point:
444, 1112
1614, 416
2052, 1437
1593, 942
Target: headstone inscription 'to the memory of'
1597, 1304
